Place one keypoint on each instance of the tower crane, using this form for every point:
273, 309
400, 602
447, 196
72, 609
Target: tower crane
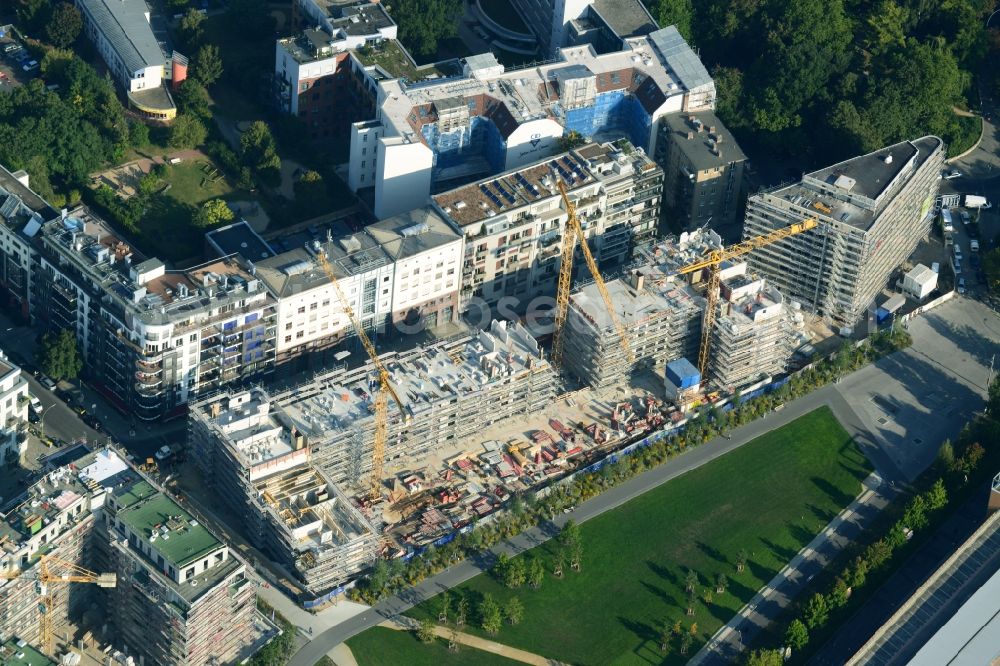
53, 570
385, 386
573, 233
714, 259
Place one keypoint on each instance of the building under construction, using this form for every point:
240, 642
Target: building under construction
55, 516
182, 599
751, 338
662, 315
176, 595
255, 460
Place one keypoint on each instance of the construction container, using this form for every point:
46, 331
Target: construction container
682, 374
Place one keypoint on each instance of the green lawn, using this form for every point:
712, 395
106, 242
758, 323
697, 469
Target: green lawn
388, 647
771, 497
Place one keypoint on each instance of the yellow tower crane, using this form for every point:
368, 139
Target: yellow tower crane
385, 386
51, 571
712, 261
573, 233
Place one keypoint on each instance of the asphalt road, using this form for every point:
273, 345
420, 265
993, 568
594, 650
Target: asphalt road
931, 399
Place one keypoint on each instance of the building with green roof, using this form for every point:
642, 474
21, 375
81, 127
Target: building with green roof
17, 652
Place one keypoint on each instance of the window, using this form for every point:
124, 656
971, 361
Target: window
288, 326
313, 306
300, 334
288, 338
302, 310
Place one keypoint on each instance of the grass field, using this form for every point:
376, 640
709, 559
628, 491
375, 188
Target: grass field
770, 497
388, 647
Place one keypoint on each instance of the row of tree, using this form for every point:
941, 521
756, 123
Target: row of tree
833, 78
958, 468
524, 512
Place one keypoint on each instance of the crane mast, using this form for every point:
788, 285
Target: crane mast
385, 385
572, 234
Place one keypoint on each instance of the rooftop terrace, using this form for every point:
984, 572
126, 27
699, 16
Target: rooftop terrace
172, 531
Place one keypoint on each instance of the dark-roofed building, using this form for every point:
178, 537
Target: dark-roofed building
873, 210
122, 34
238, 238
703, 169
605, 24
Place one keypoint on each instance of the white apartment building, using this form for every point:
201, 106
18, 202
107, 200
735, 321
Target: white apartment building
427, 253
19, 208
13, 395
310, 316
122, 34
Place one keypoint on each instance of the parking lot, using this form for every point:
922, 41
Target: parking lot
17, 65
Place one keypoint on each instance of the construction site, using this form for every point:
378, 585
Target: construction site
98, 561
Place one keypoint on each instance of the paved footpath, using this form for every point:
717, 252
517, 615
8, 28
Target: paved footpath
477, 642
729, 640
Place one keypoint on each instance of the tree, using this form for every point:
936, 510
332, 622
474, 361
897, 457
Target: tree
570, 140
423, 23
859, 572
259, 151
666, 633
444, 607
686, 640
453, 639
313, 198
692, 597
425, 631
187, 131
59, 355
536, 573
690, 580
946, 455
840, 593
765, 658
569, 535
817, 611
190, 28
207, 65
213, 212
138, 134
461, 611
513, 610
721, 583
886, 27
513, 574
193, 98
679, 13
559, 562
489, 613
741, 560
797, 635
65, 25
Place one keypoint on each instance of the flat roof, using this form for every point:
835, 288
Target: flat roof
413, 232
868, 175
700, 148
25, 195
17, 652
239, 238
628, 18
181, 539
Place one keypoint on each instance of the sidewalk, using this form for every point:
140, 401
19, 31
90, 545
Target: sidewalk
408, 624
730, 640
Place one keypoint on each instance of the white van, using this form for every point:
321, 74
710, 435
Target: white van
946, 220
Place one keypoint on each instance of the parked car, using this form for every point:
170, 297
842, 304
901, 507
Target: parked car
163, 453
93, 422
30, 65
951, 175
961, 285
35, 405
47, 382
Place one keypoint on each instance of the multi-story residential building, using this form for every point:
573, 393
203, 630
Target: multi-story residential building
872, 212
151, 338
310, 317
427, 253
254, 460
751, 339
13, 394
513, 223
21, 212
703, 168
315, 75
181, 599
491, 121
122, 34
